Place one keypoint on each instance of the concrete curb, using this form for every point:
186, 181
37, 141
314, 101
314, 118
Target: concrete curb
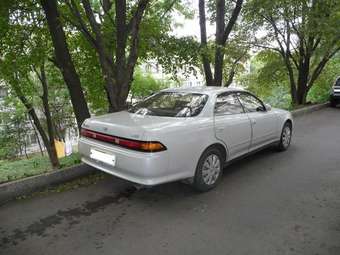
309, 109
11, 190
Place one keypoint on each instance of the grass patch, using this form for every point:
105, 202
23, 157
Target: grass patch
17, 169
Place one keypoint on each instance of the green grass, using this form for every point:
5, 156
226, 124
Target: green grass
18, 169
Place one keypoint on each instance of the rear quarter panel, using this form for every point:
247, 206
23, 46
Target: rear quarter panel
185, 141
283, 116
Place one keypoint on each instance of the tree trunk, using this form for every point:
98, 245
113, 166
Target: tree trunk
52, 153
36, 136
230, 78
293, 90
20, 144
64, 61
25, 148
31, 111
219, 54
302, 89
204, 55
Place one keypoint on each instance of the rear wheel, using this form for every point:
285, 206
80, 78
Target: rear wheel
286, 137
208, 170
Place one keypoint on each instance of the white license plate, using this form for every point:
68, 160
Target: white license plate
103, 157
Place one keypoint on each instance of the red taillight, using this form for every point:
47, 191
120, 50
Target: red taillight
96, 135
126, 143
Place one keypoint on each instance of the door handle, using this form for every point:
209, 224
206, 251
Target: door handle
253, 122
220, 129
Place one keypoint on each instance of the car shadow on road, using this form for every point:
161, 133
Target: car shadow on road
243, 162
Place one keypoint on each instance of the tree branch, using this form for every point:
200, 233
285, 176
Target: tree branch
168, 9
81, 26
135, 21
317, 71
232, 20
107, 5
93, 23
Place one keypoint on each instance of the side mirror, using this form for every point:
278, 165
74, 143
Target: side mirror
268, 107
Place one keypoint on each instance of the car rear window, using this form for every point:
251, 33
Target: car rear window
171, 104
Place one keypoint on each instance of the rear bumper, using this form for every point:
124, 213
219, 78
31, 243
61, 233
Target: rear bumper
139, 167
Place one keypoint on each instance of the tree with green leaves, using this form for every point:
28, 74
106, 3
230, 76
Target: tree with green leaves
221, 11
24, 48
306, 34
118, 31
268, 78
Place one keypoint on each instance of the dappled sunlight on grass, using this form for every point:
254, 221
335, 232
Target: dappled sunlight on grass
17, 169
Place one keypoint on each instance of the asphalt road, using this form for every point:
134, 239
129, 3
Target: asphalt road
268, 203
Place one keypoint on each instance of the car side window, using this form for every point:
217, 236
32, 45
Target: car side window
228, 103
250, 103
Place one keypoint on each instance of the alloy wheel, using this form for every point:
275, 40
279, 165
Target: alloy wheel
211, 169
286, 136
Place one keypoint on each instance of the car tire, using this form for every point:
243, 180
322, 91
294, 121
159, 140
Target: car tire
286, 137
209, 170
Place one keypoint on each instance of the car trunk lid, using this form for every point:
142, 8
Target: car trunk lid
129, 125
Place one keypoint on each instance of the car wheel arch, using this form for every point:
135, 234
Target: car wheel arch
290, 122
220, 147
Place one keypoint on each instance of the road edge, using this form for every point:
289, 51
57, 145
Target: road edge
13, 189
309, 109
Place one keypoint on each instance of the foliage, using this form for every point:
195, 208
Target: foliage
320, 92
236, 55
144, 85
268, 79
12, 129
59, 101
25, 52
266, 72
304, 33
18, 169
117, 35
89, 72
178, 56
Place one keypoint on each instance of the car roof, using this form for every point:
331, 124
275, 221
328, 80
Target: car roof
210, 90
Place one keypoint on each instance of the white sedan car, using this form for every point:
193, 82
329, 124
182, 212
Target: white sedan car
183, 133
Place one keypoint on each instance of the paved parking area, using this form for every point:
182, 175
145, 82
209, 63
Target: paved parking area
268, 203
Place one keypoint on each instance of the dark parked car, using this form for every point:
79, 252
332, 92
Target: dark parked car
335, 93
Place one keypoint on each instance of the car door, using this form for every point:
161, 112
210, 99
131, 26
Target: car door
232, 125
263, 122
